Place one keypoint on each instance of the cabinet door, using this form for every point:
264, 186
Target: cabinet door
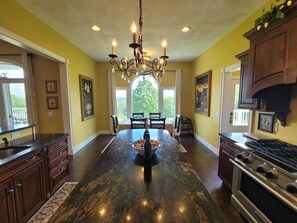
7, 203
30, 190
244, 101
225, 170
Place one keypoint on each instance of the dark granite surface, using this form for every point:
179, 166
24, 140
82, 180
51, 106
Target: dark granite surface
36, 141
236, 137
119, 189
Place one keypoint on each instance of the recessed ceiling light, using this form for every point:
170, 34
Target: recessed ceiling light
95, 28
186, 29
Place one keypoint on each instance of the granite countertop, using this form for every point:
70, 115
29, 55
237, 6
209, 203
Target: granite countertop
236, 137
36, 141
119, 189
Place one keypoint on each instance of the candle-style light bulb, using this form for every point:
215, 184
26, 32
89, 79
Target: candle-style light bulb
114, 43
134, 29
164, 44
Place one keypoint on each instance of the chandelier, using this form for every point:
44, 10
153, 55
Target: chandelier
141, 64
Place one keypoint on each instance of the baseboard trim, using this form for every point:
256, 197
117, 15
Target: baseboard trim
208, 146
84, 143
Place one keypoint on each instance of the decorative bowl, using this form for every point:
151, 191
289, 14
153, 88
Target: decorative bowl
139, 145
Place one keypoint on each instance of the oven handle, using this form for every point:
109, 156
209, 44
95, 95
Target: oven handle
265, 186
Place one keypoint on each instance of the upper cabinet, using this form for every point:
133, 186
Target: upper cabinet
272, 54
244, 101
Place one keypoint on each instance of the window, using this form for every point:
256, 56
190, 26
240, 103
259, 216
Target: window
241, 116
144, 94
121, 102
168, 104
13, 106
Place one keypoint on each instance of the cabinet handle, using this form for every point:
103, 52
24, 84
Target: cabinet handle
58, 144
33, 158
11, 191
59, 154
19, 185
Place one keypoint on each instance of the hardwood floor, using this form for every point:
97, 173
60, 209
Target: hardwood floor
203, 161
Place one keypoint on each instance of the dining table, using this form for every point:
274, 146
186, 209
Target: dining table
121, 187
126, 124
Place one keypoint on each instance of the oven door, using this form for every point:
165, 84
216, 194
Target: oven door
256, 200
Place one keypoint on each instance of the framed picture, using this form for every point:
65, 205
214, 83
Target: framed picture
86, 95
52, 102
51, 86
265, 122
202, 93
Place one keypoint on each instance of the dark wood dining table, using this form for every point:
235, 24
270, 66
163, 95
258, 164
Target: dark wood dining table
120, 188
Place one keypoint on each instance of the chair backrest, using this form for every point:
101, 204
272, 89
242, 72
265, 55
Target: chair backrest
138, 123
177, 122
138, 115
115, 123
155, 114
157, 123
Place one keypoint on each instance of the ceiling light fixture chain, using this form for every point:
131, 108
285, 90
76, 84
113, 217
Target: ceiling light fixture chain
141, 64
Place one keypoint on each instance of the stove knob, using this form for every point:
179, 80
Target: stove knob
248, 159
262, 168
271, 174
241, 156
292, 188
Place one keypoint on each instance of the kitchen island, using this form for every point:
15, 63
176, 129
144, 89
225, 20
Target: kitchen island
119, 189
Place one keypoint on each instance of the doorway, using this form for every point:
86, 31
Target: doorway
232, 118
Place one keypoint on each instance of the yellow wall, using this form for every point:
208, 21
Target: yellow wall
19, 21
221, 55
45, 69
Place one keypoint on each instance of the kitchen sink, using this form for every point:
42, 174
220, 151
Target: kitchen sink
8, 151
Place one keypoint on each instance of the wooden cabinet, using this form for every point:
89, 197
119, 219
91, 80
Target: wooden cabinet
225, 167
22, 188
244, 101
272, 54
57, 164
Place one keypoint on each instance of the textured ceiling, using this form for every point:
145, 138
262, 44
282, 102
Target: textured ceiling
209, 21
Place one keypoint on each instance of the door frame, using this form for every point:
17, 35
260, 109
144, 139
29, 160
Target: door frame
225, 72
28, 45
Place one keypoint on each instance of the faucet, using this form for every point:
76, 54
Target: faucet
5, 141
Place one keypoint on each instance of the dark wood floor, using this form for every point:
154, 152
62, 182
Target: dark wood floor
203, 161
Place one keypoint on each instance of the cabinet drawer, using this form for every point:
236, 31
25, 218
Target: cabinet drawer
59, 177
57, 166
56, 155
57, 145
227, 144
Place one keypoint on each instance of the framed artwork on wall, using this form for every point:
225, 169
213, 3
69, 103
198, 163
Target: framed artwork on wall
265, 122
87, 98
51, 86
52, 102
202, 93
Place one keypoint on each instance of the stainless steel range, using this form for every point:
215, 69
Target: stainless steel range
265, 181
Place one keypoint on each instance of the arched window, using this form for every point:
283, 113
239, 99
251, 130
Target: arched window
13, 103
145, 95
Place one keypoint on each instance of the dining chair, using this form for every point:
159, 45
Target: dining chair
138, 115
157, 123
115, 122
177, 127
155, 114
138, 123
